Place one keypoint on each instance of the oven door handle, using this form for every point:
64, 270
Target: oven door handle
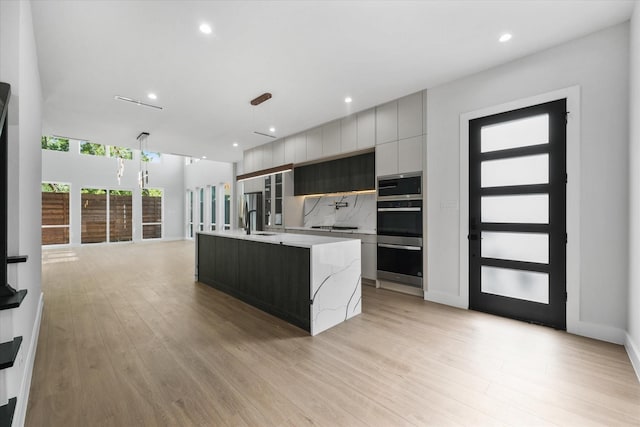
399, 209
408, 248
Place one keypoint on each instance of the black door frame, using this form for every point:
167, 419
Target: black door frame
553, 314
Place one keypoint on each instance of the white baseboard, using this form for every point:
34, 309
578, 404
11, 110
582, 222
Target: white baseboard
598, 332
446, 299
634, 353
23, 398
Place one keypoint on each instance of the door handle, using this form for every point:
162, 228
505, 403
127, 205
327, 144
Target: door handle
472, 237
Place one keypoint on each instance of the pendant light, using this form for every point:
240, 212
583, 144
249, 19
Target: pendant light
143, 173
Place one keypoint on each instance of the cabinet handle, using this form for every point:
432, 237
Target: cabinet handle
408, 248
399, 209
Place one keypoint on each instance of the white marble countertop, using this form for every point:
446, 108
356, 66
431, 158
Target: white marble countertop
356, 231
287, 239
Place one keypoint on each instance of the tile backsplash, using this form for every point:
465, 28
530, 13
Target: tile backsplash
355, 210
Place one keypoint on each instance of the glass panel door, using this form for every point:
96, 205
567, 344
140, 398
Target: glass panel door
517, 214
55, 213
120, 216
213, 208
189, 214
201, 209
151, 213
93, 215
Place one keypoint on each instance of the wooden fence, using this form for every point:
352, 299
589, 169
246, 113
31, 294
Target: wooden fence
55, 212
120, 218
151, 212
94, 218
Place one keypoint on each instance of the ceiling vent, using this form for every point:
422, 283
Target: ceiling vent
263, 134
135, 101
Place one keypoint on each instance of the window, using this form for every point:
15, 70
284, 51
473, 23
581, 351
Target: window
151, 214
150, 156
120, 216
92, 149
227, 206
201, 210
190, 214
94, 215
55, 213
54, 143
121, 152
213, 208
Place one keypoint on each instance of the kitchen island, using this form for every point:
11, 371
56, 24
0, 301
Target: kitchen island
313, 282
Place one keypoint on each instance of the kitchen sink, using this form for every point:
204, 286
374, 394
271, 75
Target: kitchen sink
264, 234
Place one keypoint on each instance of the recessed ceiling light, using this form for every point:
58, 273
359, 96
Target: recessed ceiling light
348, 99
204, 157
505, 37
272, 129
152, 95
205, 28
235, 144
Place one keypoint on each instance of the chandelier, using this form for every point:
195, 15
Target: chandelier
143, 173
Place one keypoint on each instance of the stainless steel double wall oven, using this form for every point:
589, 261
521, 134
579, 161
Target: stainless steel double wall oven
400, 229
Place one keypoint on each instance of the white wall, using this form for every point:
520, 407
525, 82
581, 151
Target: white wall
19, 67
86, 171
207, 173
633, 336
597, 63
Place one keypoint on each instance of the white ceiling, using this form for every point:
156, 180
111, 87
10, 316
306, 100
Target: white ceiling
308, 54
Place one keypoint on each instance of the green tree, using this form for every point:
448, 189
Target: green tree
149, 156
52, 187
120, 193
92, 149
151, 192
121, 152
93, 191
53, 143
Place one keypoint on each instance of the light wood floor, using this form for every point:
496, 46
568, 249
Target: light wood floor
128, 339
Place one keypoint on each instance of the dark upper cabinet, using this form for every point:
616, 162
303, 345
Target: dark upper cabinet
363, 172
354, 173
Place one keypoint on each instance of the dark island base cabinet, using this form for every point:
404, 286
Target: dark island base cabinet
273, 278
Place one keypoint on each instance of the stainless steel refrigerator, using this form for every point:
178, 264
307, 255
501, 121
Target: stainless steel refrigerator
253, 211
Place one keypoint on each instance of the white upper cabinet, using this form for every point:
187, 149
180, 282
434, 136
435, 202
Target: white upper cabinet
290, 149
410, 116
396, 129
257, 159
366, 129
267, 155
387, 122
278, 153
300, 148
314, 144
348, 134
387, 158
410, 154
253, 185
331, 139
248, 161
